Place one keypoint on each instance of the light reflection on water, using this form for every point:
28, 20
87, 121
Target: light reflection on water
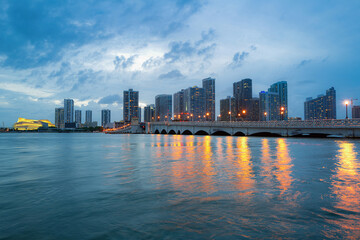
86, 186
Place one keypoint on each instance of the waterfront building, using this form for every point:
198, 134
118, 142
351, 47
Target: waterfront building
88, 116
355, 112
228, 109
254, 110
24, 124
322, 107
179, 105
208, 85
281, 89
194, 104
242, 92
163, 107
105, 117
68, 111
269, 106
149, 113
59, 117
131, 105
78, 116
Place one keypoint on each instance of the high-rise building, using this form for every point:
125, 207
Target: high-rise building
254, 110
139, 115
281, 89
149, 113
242, 91
163, 107
228, 109
78, 116
194, 104
131, 105
105, 117
355, 112
59, 117
68, 111
322, 107
208, 85
88, 116
269, 106
179, 105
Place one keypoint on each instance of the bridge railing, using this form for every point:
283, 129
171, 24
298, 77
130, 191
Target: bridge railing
333, 123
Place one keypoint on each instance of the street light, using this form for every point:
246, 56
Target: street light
230, 115
346, 104
282, 112
265, 114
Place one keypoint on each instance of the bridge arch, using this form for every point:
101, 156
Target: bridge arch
239, 133
156, 131
201, 132
178, 132
265, 134
221, 133
163, 131
172, 132
187, 132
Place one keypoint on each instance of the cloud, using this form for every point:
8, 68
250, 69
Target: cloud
304, 62
27, 90
206, 36
152, 62
122, 62
111, 99
239, 59
172, 74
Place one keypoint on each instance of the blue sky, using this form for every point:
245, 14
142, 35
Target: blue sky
92, 50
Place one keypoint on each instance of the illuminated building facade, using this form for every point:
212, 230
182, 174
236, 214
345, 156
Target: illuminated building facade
322, 107
149, 113
269, 106
59, 117
242, 92
208, 85
194, 104
105, 117
281, 89
163, 107
24, 124
68, 110
179, 105
228, 109
131, 105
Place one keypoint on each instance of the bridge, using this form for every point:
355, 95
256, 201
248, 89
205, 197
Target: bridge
317, 128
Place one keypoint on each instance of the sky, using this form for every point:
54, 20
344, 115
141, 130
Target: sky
91, 51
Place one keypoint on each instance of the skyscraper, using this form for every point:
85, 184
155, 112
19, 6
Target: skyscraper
194, 104
269, 106
254, 109
131, 105
163, 107
88, 116
322, 107
242, 91
59, 117
68, 111
105, 117
179, 105
281, 89
228, 109
78, 116
149, 113
208, 85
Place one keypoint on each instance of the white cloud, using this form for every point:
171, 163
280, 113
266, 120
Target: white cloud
30, 91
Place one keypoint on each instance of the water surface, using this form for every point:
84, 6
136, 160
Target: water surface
97, 186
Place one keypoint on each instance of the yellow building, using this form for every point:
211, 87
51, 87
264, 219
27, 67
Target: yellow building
24, 124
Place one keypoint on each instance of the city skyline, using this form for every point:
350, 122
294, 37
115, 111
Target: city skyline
92, 59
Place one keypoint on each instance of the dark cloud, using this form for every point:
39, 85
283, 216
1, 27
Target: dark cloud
111, 99
238, 59
122, 62
34, 33
180, 50
304, 62
172, 74
86, 77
